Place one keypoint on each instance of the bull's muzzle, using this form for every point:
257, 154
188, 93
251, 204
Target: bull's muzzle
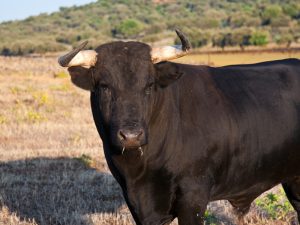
131, 138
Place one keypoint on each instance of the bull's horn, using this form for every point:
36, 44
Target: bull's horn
171, 52
79, 57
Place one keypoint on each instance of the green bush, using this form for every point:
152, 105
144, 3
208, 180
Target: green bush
222, 40
281, 21
129, 28
291, 10
271, 12
259, 38
241, 37
209, 218
284, 38
275, 205
86, 160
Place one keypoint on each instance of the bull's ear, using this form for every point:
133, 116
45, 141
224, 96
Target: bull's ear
81, 77
167, 73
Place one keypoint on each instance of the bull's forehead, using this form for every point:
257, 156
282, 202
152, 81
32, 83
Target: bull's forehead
125, 63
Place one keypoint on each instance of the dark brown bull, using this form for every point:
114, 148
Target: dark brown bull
178, 136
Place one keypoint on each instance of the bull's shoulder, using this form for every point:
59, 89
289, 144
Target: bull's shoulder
244, 81
261, 85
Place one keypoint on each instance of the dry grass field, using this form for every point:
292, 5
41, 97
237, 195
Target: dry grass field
52, 168
222, 59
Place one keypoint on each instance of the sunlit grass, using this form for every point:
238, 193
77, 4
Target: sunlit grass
223, 59
61, 74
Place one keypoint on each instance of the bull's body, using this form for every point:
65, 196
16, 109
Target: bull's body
216, 133
178, 136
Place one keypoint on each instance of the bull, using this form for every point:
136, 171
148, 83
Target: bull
177, 136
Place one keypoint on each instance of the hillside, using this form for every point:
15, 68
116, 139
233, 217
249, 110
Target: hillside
207, 22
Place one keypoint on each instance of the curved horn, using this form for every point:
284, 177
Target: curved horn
171, 52
79, 57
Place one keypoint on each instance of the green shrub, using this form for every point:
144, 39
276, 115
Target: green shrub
129, 28
275, 205
281, 21
291, 10
222, 40
259, 38
271, 12
209, 218
241, 37
284, 38
85, 159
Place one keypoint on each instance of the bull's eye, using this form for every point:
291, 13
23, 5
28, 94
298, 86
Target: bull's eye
104, 87
149, 88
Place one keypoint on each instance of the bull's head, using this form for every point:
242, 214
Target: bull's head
125, 77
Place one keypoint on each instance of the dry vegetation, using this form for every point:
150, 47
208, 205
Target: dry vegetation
52, 168
225, 58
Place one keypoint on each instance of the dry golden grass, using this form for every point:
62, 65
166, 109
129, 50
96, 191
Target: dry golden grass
222, 59
52, 168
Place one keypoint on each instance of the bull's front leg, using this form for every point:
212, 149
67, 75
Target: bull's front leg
191, 204
152, 203
190, 212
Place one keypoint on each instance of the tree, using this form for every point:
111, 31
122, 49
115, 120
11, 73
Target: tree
285, 38
222, 40
270, 13
291, 10
281, 21
241, 37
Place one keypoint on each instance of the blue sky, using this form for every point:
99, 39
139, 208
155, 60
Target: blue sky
20, 9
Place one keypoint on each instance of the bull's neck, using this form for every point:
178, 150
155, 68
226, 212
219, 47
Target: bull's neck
163, 125
165, 120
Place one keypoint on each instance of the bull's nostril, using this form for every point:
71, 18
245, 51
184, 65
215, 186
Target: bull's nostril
131, 138
140, 134
130, 135
121, 135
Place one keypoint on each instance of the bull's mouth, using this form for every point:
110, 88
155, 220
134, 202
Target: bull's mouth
140, 149
132, 143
